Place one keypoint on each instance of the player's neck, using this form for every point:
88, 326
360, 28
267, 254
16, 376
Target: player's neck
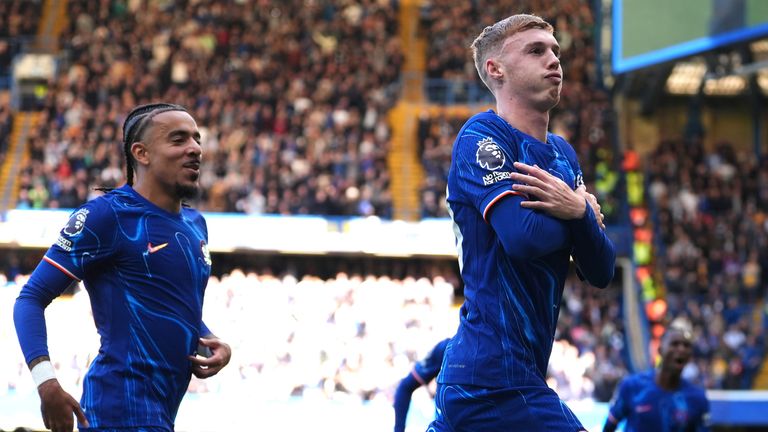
667, 380
524, 118
158, 197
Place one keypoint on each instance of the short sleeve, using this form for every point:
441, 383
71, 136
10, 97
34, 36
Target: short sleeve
482, 165
619, 403
85, 241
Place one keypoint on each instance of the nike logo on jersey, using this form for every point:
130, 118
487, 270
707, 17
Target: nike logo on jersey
153, 249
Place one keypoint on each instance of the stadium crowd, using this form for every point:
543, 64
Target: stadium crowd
711, 235
289, 125
18, 22
351, 336
291, 99
450, 27
18, 18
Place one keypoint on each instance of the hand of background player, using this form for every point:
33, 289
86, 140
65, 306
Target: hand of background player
554, 196
204, 367
58, 406
592, 201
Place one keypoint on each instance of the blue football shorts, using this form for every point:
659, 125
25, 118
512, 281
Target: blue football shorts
127, 429
466, 408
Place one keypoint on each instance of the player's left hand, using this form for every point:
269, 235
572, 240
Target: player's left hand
204, 367
554, 196
592, 201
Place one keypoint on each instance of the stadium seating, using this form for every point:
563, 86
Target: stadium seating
283, 111
18, 23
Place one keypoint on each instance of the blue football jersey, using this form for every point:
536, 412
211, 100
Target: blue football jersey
145, 270
511, 306
647, 407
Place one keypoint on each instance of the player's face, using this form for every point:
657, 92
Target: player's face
530, 62
175, 153
676, 350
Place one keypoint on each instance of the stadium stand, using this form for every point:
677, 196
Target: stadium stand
18, 24
18, 20
710, 213
283, 115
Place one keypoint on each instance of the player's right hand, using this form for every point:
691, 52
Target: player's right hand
58, 406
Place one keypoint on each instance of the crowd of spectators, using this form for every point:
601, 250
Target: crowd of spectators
18, 23
291, 103
584, 115
450, 29
291, 98
348, 337
19, 18
587, 359
711, 232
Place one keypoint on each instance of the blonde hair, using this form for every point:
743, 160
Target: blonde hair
490, 40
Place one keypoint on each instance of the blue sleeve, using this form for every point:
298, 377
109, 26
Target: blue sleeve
403, 400
482, 162
84, 242
592, 251
45, 284
204, 331
526, 233
619, 406
88, 238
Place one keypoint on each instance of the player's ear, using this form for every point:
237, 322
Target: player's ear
139, 152
494, 69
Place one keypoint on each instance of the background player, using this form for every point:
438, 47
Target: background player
423, 372
144, 260
661, 399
